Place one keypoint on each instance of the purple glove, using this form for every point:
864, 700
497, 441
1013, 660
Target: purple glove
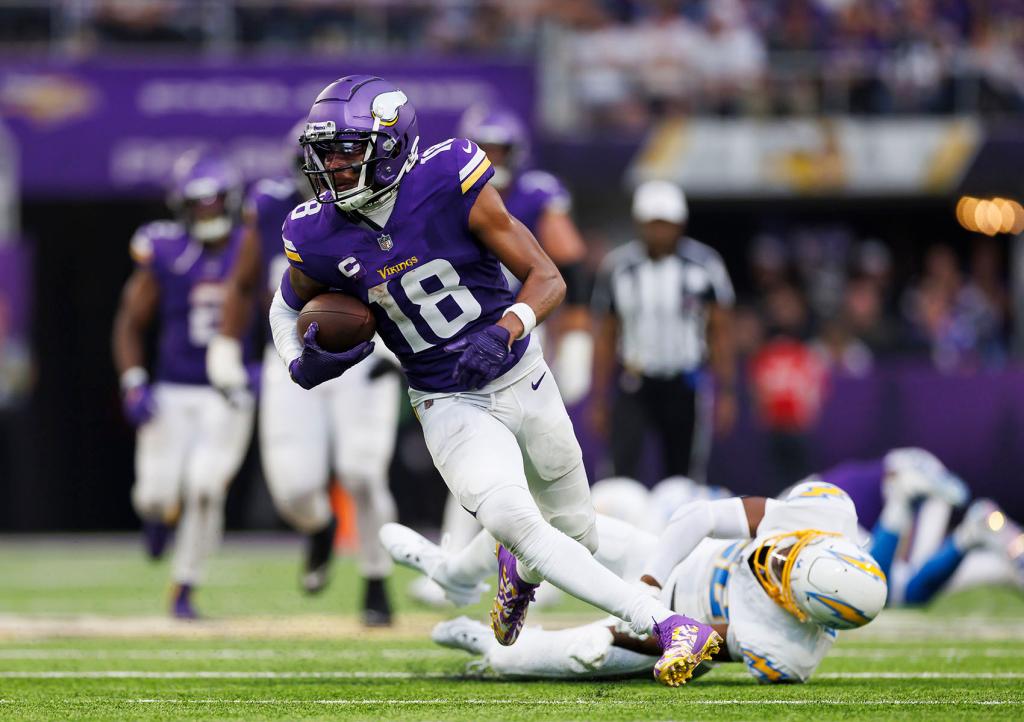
138, 404
483, 355
315, 365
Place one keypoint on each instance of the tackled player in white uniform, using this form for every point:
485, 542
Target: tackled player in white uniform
778, 599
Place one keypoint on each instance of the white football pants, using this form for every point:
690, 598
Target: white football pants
345, 426
185, 457
478, 442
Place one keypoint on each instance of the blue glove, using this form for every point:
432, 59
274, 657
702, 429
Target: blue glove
138, 404
316, 365
483, 355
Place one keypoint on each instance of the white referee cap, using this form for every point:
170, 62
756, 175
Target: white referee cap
658, 200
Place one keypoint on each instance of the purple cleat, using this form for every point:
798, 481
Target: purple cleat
510, 603
182, 607
685, 643
155, 535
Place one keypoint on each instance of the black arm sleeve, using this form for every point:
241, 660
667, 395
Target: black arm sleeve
578, 283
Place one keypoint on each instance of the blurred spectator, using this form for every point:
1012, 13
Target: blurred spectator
145, 21
961, 324
731, 58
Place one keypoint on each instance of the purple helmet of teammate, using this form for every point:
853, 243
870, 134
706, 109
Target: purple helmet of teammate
360, 140
502, 136
206, 194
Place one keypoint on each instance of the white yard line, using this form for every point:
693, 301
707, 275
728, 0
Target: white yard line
208, 674
567, 702
907, 652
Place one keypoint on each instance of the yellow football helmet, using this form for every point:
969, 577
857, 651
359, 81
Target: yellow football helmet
821, 577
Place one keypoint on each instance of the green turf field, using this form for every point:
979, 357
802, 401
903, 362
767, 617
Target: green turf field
83, 636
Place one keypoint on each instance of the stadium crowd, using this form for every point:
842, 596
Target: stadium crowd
626, 59
841, 295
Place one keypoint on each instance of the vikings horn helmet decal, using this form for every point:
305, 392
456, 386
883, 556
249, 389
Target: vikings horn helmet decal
373, 125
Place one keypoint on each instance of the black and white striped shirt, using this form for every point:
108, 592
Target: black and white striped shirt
662, 304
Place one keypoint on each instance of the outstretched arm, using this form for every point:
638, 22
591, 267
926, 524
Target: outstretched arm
735, 518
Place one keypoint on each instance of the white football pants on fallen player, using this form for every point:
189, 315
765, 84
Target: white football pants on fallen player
345, 426
478, 442
185, 457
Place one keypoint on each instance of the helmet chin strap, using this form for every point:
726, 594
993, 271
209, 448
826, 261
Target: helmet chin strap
211, 229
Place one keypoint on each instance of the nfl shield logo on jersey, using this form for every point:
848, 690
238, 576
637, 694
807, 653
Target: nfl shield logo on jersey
385, 242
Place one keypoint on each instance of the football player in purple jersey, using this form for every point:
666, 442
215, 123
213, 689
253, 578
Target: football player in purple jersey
420, 237
305, 435
191, 438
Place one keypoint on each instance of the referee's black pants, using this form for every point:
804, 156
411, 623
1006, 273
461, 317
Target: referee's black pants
666, 406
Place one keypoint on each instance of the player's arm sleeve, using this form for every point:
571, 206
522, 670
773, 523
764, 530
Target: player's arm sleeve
689, 525
474, 169
767, 669
284, 312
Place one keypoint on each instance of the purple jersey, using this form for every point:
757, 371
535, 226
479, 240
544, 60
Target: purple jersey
270, 201
529, 196
426, 278
533, 193
191, 279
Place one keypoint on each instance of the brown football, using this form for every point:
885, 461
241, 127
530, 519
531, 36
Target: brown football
343, 321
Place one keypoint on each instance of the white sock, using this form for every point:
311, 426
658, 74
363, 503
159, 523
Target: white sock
474, 562
511, 515
199, 534
375, 507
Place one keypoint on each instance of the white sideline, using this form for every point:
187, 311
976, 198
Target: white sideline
205, 674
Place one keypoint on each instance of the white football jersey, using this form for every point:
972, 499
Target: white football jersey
716, 585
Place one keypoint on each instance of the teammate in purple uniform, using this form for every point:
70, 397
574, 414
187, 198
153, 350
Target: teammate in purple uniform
191, 438
421, 237
305, 435
540, 201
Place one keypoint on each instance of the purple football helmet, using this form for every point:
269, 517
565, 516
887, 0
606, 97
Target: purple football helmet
359, 124
493, 125
206, 194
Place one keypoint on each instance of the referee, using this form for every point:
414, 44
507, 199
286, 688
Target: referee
663, 307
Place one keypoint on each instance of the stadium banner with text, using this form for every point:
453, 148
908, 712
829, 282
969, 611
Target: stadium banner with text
117, 125
725, 158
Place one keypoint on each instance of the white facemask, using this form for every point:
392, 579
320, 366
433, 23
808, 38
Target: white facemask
211, 229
